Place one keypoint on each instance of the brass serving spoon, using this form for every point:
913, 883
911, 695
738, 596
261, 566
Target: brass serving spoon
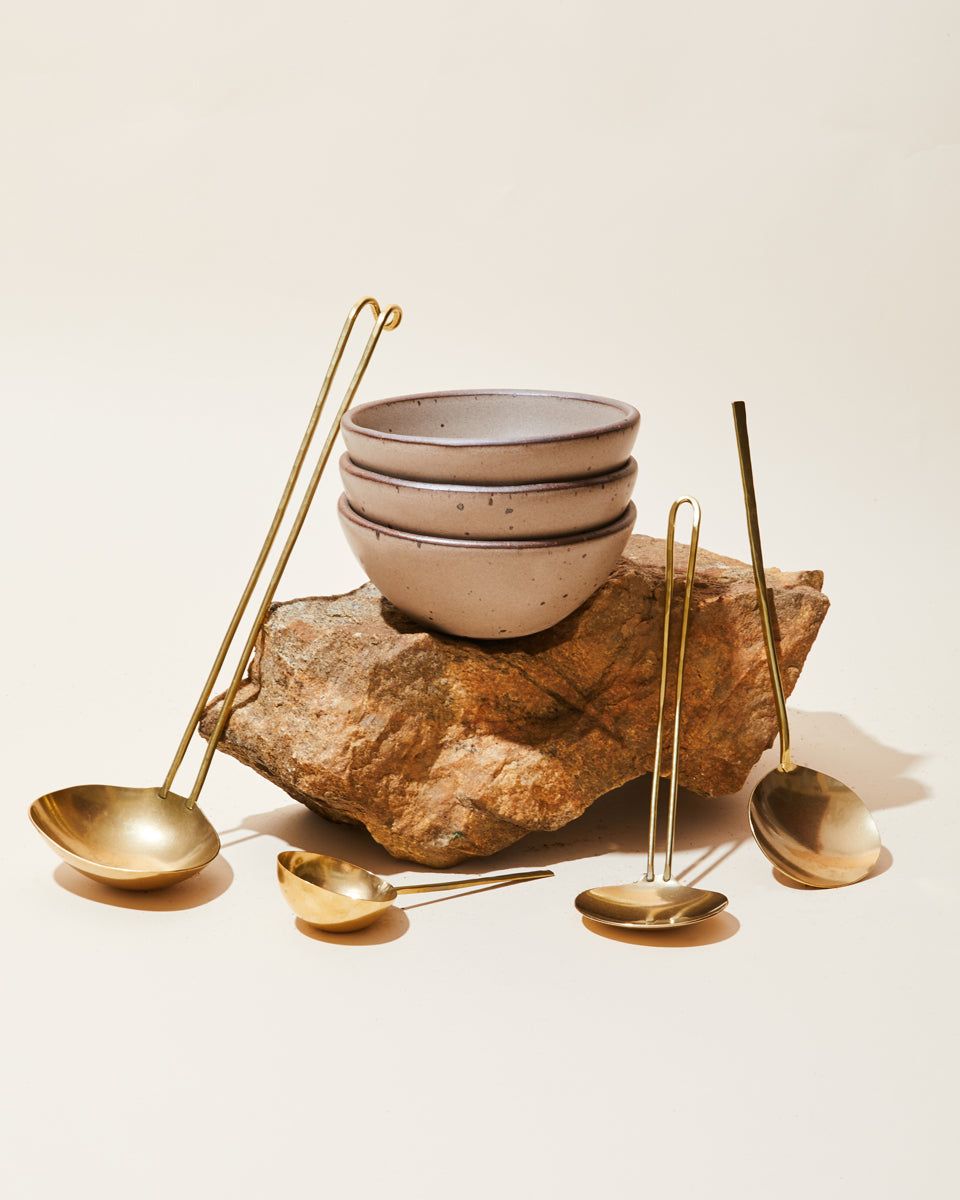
812, 827
663, 903
147, 838
340, 897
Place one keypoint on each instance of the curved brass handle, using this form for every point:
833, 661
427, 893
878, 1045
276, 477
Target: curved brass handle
760, 579
675, 752
465, 884
387, 320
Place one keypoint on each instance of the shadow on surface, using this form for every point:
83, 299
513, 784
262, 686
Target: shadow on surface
210, 883
717, 929
617, 822
392, 925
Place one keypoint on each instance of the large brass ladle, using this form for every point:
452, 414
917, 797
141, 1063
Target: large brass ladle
146, 838
812, 827
663, 903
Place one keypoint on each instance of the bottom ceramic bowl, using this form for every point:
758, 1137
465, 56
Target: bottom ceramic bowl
485, 589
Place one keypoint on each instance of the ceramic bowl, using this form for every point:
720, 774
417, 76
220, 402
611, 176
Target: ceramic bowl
485, 589
491, 437
531, 510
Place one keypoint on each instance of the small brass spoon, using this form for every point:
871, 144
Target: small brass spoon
812, 827
340, 897
653, 903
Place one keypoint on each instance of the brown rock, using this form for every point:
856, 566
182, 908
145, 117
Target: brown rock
446, 748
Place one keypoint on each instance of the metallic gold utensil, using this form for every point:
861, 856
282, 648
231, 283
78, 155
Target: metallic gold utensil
340, 897
146, 838
811, 826
663, 903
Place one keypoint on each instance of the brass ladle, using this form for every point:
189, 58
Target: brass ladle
145, 838
663, 903
812, 827
328, 893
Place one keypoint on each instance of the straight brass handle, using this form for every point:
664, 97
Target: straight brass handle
388, 320
760, 579
465, 884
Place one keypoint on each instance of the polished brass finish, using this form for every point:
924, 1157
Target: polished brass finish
151, 837
663, 903
328, 893
128, 837
810, 826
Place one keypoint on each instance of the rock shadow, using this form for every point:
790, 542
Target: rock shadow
617, 821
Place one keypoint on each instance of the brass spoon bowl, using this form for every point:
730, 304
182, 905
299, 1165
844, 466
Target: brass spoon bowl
126, 837
650, 905
813, 828
663, 903
810, 826
340, 897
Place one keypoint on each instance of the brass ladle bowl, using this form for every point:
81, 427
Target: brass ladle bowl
811, 827
128, 837
663, 903
339, 897
147, 838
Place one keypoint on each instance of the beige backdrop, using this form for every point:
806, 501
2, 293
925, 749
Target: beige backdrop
677, 204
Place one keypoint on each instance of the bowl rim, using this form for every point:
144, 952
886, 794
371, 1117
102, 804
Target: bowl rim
630, 419
627, 519
349, 467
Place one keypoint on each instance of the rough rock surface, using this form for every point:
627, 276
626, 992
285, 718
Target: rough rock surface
446, 748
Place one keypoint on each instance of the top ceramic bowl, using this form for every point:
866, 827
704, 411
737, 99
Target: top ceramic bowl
493, 437
513, 510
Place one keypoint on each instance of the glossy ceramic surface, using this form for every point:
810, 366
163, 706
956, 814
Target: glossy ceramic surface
492, 437
485, 589
536, 510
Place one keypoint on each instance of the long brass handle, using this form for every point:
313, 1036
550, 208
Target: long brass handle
465, 884
760, 579
387, 320
675, 752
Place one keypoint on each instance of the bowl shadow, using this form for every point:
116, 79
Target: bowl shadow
199, 889
716, 929
392, 925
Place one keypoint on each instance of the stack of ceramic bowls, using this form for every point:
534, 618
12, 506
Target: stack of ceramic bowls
489, 514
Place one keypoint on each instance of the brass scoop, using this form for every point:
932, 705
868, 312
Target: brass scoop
145, 838
663, 903
340, 897
812, 827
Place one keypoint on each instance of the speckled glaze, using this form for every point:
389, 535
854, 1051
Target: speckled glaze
534, 510
491, 437
485, 589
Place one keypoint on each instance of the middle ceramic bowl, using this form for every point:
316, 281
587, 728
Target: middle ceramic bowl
487, 589
532, 510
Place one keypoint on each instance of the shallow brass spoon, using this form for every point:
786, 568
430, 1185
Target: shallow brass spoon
147, 838
340, 897
663, 903
812, 827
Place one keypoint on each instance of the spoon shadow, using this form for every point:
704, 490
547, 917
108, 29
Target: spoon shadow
708, 933
199, 889
392, 925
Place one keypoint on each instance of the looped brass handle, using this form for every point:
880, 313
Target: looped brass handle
675, 749
382, 320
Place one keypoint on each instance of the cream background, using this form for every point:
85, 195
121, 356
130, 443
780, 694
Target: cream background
679, 205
